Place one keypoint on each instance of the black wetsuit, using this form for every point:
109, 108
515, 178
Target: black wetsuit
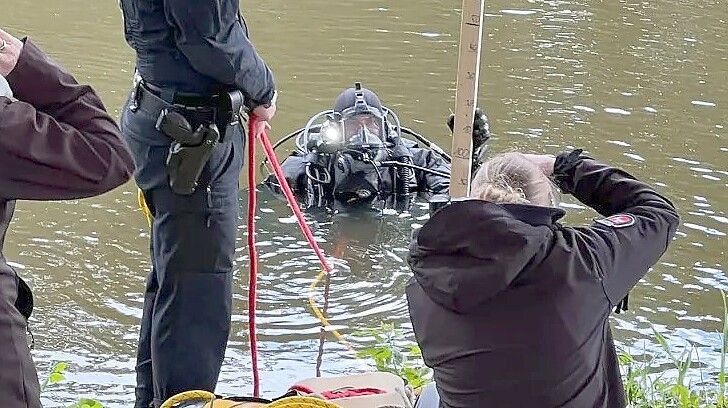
511, 309
423, 183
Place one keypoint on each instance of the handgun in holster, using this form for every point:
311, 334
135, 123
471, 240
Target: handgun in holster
189, 152
191, 148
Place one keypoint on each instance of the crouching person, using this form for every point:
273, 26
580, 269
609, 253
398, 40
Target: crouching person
510, 307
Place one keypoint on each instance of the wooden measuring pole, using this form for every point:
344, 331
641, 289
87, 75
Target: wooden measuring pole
466, 96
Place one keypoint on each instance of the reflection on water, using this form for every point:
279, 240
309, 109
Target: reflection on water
635, 83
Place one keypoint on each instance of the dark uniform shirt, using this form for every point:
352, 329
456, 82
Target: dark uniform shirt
511, 308
194, 46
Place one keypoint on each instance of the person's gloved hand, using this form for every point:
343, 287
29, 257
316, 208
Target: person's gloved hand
481, 134
481, 128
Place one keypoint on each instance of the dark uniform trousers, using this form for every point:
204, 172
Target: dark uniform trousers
187, 303
18, 379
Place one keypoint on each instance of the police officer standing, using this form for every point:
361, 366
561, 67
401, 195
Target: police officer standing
195, 67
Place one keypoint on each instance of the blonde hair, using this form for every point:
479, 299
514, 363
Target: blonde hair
512, 178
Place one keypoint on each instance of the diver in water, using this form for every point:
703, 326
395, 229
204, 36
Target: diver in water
358, 155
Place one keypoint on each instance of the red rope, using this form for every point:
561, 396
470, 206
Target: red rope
270, 153
253, 255
253, 125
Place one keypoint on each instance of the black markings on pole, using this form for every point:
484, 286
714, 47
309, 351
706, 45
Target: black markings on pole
466, 95
462, 153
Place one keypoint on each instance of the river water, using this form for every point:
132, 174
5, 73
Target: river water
640, 84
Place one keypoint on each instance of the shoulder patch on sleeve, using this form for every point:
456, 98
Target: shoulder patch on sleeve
618, 221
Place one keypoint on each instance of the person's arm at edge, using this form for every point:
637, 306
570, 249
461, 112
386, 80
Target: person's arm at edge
622, 254
56, 141
211, 36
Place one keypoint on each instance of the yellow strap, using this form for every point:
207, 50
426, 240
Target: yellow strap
302, 402
143, 206
320, 315
188, 396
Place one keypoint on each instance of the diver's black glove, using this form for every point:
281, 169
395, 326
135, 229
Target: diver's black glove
481, 134
481, 128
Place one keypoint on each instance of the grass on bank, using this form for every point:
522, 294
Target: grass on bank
646, 389
57, 375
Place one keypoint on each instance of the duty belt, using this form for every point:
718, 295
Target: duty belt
149, 101
198, 110
193, 129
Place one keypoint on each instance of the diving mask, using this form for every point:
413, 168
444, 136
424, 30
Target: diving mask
352, 129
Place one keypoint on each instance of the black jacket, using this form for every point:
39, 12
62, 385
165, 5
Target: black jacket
511, 308
196, 47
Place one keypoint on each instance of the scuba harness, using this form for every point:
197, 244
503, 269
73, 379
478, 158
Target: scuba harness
356, 156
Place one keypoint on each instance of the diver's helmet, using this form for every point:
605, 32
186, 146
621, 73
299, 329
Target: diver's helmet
347, 149
359, 131
358, 121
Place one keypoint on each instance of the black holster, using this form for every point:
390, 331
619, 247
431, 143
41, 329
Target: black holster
191, 148
186, 162
189, 152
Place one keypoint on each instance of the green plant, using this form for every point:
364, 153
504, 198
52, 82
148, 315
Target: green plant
679, 391
57, 375
87, 403
645, 388
389, 355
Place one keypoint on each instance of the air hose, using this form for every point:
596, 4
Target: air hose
405, 177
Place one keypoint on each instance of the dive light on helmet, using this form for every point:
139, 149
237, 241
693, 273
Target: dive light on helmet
331, 133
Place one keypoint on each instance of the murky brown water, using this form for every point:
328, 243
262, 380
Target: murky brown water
640, 84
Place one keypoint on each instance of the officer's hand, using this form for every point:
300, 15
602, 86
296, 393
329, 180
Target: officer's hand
10, 52
261, 127
265, 114
544, 161
481, 127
